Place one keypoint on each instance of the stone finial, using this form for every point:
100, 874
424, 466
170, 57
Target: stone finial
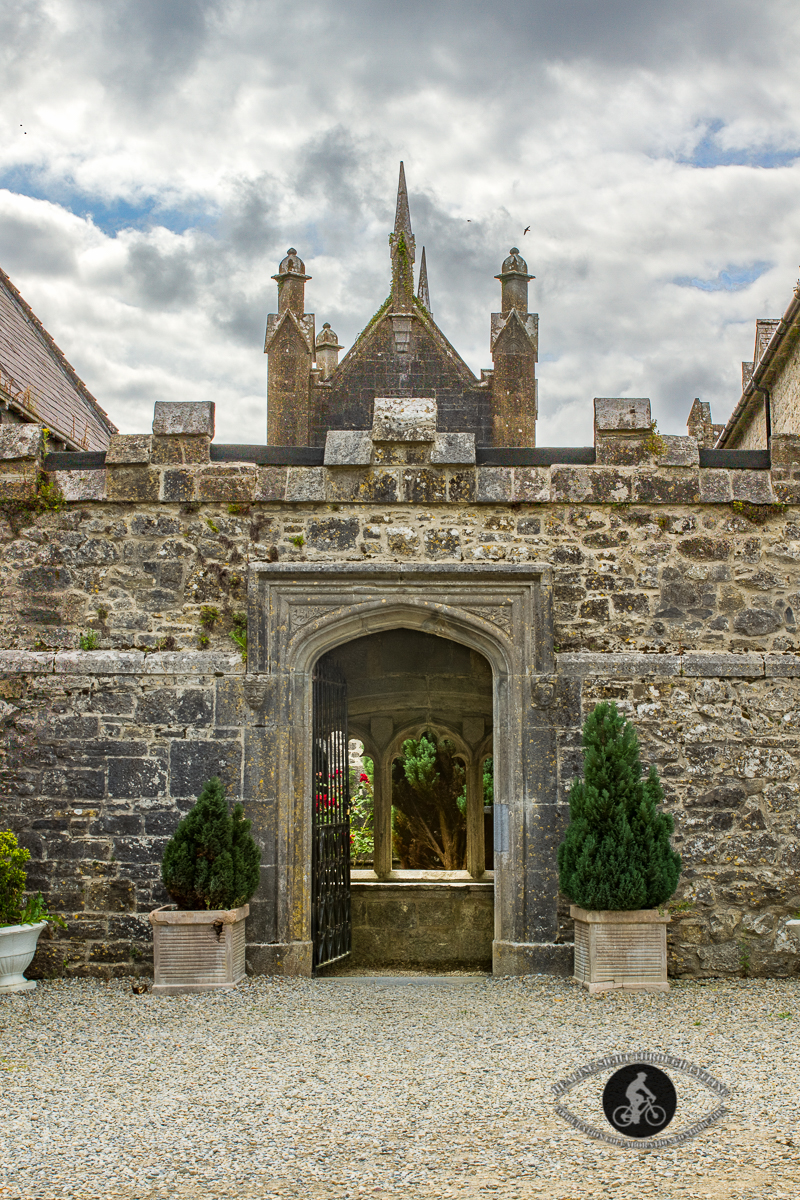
700, 426
403, 248
291, 280
327, 351
422, 290
514, 278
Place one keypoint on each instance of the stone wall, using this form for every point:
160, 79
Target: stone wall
676, 593
435, 924
786, 394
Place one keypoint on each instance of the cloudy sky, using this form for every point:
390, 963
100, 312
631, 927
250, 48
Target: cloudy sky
157, 158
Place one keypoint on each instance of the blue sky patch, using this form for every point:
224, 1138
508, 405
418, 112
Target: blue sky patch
110, 215
709, 153
730, 279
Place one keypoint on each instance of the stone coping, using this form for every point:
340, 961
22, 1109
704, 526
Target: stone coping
168, 914
424, 878
573, 665
638, 916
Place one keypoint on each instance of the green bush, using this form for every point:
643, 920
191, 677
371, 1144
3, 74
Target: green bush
13, 878
212, 860
616, 854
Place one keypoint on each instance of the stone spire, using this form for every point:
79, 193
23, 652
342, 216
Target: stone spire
422, 291
402, 246
514, 342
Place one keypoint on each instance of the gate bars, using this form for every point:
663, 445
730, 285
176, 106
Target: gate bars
331, 928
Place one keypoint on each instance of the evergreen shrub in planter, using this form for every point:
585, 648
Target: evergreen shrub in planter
21, 921
616, 863
210, 869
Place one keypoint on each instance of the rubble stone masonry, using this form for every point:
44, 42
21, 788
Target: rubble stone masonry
677, 594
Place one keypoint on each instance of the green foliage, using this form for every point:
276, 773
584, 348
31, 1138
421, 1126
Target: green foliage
211, 861
13, 878
616, 854
757, 514
212, 525
428, 825
209, 615
89, 640
298, 541
239, 632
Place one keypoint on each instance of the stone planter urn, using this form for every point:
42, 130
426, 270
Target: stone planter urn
17, 948
197, 951
624, 950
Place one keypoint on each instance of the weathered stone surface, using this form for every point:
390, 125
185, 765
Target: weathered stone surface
305, 484
752, 486
348, 448
613, 415
192, 417
271, 483
653, 487
618, 666
80, 485
180, 448
456, 448
494, 484
782, 665
21, 441
26, 662
136, 484
756, 622
193, 662
715, 486
403, 419
99, 662
678, 451
720, 666
229, 482
590, 484
531, 484
129, 448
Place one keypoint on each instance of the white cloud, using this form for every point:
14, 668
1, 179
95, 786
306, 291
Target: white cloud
177, 149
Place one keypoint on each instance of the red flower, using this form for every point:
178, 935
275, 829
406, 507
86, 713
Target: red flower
363, 778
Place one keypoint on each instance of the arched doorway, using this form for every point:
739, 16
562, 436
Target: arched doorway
407, 688
298, 613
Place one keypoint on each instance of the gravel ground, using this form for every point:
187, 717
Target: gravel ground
411, 1086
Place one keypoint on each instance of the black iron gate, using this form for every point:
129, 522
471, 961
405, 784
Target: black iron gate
330, 819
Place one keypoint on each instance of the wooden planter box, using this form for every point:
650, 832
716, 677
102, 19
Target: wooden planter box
625, 950
197, 951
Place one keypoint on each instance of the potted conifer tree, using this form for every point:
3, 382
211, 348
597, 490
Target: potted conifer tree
210, 869
616, 863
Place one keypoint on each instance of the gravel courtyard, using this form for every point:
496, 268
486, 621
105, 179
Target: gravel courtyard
402, 1086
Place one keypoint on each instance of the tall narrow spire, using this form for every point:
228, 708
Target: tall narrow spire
402, 217
422, 290
401, 243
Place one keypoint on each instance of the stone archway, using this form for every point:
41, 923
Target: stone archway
298, 612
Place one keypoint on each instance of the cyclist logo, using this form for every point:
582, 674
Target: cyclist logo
639, 1100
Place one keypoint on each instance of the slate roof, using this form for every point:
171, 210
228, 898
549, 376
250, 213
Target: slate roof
38, 383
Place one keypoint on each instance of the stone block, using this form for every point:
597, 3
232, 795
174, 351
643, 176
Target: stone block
632, 665
453, 448
425, 487
775, 665
621, 451
193, 662
192, 417
723, 666
306, 483
226, 482
663, 487
193, 763
531, 484
785, 453
21, 441
136, 778
18, 485
26, 662
593, 484
271, 483
180, 448
495, 485
348, 448
132, 484
754, 487
80, 485
99, 662
678, 451
403, 419
619, 415
336, 533
362, 485
178, 485
129, 448
715, 486
461, 487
